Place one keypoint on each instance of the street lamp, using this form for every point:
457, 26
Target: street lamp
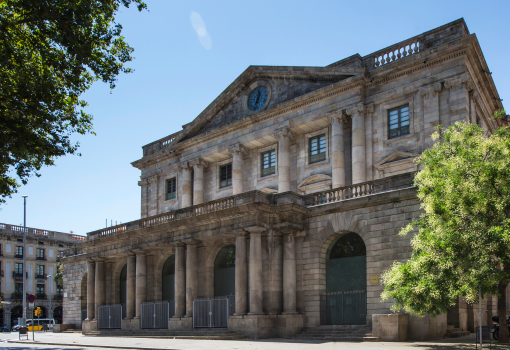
50, 289
24, 297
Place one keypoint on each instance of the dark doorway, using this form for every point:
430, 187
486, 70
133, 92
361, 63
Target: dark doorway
168, 278
345, 301
16, 313
57, 314
224, 272
123, 285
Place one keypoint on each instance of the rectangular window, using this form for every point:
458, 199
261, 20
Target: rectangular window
60, 290
398, 121
226, 175
171, 188
18, 287
19, 251
40, 270
40, 289
40, 253
268, 163
317, 148
18, 268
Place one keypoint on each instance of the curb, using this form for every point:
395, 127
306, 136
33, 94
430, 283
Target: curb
86, 345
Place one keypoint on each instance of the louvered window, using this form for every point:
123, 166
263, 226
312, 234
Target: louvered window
268, 163
226, 175
317, 148
398, 121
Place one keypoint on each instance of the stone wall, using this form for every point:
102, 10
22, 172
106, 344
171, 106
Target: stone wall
75, 301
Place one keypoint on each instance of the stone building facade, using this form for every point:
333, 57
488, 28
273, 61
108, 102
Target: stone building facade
287, 192
44, 250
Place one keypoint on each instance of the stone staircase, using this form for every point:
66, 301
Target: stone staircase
337, 334
452, 332
200, 333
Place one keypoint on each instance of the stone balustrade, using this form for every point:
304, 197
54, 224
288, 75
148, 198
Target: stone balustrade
160, 144
395, 52
34, 232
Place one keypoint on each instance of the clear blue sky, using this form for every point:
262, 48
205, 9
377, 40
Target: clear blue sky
176, 76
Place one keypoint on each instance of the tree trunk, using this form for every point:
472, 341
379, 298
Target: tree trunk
503, 328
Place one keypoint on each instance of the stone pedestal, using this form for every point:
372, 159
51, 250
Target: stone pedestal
392, 327
180, 323
289, 325
427, 327
89, 326
130, 324
254, 326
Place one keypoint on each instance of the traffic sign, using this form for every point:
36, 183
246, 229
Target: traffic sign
31, 298
30, 305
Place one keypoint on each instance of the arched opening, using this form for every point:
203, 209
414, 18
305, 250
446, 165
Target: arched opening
224, 271
346, 281
16, 312
123, 285
57, 314
168, 278
83, 301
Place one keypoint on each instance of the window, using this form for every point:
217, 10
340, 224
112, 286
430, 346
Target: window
40, 253
19, 251
60, 290
18, 287
317, 148
18, 268
40, 270
40, 289
398, 121
41, 243
171, 188
268, 163
226, 175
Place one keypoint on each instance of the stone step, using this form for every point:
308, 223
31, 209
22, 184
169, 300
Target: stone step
356, 333
206, 334
337, 339
453, 330
450, 326
456, 334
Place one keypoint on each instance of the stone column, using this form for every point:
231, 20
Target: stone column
358, 144
430, 97
237, 151
185, 170
289, 274
141, 281
191, 277
131, 285
337, 149
144, 206
91, 289
153, 195
241, 271
256, 290
459, 87
180, 281
284, 136
198, 180
100, 291
275, 280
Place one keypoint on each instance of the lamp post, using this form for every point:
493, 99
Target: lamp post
24, 296
49, 295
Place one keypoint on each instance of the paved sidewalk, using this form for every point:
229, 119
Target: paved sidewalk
78, 340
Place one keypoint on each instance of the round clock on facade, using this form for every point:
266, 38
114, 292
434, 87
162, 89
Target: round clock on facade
257, 99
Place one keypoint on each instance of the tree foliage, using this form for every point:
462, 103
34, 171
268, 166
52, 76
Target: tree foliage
51, 52
462, 238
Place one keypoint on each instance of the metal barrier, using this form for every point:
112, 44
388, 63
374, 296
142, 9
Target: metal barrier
213, 313
155, 314
343, 308
109, 316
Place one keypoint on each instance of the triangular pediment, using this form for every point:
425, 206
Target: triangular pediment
285, 84
395, 159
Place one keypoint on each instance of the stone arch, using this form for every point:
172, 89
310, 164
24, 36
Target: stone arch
58, 314
83, 292
118, 265
224, 271
208, 266
168, 279
122, 280
159, 262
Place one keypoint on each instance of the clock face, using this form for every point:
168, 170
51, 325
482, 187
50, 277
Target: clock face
257, 99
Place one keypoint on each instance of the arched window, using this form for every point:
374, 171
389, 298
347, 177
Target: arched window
224, 271
123, 285
168, 278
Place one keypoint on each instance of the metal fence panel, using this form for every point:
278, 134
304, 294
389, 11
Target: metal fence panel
201, 313
219, 309
109, 316
161, 314
147, 315
103, 317
343, 308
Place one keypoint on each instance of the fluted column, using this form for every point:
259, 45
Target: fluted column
358, 144
241, 271
198, 180
180, 281
99, 287
191, 277
131, 285
141, 281
256, 290
144, 185
237, 151
289, 274
284, 136
91, 292
186, 185
337, 149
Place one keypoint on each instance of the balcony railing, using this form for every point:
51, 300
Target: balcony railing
16, 296
57, 297
39, 277
40, 258
18, 256
17, 274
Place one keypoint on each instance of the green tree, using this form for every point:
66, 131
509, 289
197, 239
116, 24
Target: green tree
51, 52
462, 239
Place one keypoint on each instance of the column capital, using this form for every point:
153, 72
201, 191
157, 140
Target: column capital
183, 166
336, 116
255, 229
153, 179
180, 245
142, 182
369, 108
283, 133
353, 110
140, 252
431, 90
456, 82
236, 148
131, 254
198, 163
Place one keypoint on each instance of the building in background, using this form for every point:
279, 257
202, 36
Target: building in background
44, 250
279, 206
